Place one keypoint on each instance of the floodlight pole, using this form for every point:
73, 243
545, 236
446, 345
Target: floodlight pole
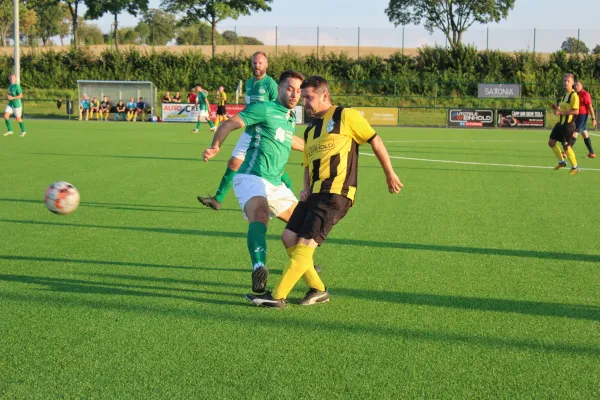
16, 38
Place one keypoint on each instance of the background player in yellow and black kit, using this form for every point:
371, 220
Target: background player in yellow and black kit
330, 181
563, 131
221, 111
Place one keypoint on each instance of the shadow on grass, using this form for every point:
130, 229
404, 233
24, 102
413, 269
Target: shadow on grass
118, 289
115, 263
274, 320
130, 207
574, 311
546, 255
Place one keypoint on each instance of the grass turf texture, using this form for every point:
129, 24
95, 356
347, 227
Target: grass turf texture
475, 282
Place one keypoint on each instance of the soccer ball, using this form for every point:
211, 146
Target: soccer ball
61, 198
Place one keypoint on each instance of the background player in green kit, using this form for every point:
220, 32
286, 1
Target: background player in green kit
258, 185
259, 88
202, 102
15, 106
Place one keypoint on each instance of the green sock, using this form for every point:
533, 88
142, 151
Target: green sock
225, 184
287, 181
257, 243
198, 125
210, 123
22, 125
8, 125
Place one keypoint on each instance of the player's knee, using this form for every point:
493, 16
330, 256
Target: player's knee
289, 238
551, 143
234, 163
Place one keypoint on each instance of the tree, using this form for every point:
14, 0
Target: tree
97, 8
128, 36
573, 46
28, 20
452, 17
73, 7
231, 38
90, 34
162, 26
213, 11
596, 49
6, 19
51, 19
64, 26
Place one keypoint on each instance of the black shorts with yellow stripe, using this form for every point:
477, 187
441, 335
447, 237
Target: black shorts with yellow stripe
563, 133
315, 217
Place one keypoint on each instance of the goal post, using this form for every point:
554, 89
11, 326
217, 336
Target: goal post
119, 90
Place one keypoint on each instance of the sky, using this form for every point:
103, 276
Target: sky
339, 20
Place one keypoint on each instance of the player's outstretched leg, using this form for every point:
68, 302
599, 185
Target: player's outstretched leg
215, 201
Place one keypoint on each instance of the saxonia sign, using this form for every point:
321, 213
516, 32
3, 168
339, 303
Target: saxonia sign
498, 90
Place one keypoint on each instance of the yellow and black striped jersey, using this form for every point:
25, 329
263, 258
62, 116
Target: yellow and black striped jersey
569, 101
331, 150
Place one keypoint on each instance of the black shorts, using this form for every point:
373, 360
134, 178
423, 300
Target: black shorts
315, 217
581, 122
563, 133
221, 110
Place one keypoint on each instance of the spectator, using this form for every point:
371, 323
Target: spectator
95, 106
131, 109
192, 96
104, 108
177, 98
140, 108
58, 104
167, 98
120, 111
84, 108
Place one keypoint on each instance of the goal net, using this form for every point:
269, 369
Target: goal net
120, 90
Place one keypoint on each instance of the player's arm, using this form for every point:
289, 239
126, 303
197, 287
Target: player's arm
297, 143
305, 193
592, 112
393, 182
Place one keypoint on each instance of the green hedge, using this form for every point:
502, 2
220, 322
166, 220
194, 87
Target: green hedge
434, 72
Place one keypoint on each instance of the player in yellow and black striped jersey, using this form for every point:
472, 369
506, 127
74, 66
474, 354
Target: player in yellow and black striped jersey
330, 182
564, 130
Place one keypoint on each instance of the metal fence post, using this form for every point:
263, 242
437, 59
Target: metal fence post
534, 37
358, 43
276, 35
235, 41
578, 34
487, 39
317, 42
402, 40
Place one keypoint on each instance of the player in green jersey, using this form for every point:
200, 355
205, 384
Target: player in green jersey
15, 106
258, 185
202, 102
259, 88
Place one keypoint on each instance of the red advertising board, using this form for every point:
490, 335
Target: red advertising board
232, 109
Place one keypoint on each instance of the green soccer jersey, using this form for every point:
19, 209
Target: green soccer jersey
201, 100
15, 90
261, 90
273, 127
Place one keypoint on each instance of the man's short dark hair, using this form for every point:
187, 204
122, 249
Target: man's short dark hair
290, 73
316, 82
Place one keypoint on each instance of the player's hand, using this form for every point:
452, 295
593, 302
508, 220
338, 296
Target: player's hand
305, 194
393, 182
593, 123
557, 112
210, 153
9, 97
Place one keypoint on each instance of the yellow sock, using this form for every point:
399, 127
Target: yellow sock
311, 278
558, 153
301, 261
571, 157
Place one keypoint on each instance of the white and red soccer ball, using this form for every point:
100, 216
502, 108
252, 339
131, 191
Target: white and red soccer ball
61, 198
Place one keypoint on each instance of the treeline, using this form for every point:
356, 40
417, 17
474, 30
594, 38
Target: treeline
433, 72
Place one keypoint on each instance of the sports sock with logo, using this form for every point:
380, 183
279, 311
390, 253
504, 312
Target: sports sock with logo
198, 125
257, 243
225, 184
299, 264
588, 144
8, 124
311, 278
210, 123
287, 181
558, 153
22, 125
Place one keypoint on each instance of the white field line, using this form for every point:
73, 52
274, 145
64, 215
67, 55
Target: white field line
476, 163
463, 141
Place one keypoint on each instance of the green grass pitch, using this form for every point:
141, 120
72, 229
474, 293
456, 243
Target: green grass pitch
477, 281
